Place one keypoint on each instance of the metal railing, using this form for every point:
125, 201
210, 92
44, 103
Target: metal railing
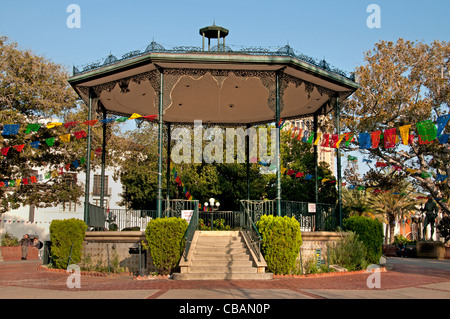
123, 218
311, 216
220, 220
252, 233
193, 226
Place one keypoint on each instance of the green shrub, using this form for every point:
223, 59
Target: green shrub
9, 240
370, 232
403, 239
165, 237
281, 241
349, 252
64, 233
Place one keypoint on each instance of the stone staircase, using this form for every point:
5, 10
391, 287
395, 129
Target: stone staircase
221, 255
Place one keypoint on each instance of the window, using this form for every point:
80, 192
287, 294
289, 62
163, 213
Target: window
98, 186
97, 202
69, 207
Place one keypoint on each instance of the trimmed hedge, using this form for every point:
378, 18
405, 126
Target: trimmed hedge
64, 233
165, 237
281, 241
370, 232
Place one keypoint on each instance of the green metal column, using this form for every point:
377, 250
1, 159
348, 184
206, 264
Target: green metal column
88, 161
160, 147
277, 105
168, 164
247, 151
338, 161
102, 182
316, 158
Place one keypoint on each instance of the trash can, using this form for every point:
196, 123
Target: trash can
47, 258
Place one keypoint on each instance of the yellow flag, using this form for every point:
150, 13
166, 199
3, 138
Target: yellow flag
135, 116
341, 137
51, 125
318, 138
412, 171
404, 133
65, 138
17, 182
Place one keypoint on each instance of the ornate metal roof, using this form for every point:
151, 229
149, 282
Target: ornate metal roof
155, 47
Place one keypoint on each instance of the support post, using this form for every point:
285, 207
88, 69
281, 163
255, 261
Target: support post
278, 155
88, 161
168, 164
247, 154
316, 158
102, 182
160, 146
338, 160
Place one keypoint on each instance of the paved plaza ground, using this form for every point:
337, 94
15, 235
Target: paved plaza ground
407, 278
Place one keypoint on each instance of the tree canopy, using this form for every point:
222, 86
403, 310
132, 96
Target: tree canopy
401, 84
34, 92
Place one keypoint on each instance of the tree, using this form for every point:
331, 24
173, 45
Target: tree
404, 83
298, 156
395, 205
356, 202
35, 90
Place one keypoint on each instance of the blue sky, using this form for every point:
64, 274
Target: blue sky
334, 30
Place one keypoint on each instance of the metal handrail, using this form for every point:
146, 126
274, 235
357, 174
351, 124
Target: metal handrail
252, 232
190, 231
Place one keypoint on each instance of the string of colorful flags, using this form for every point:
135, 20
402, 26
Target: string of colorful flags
428, 132
13, 129
11, 221
49, 174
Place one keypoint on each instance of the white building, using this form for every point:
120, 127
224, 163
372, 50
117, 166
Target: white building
36, 221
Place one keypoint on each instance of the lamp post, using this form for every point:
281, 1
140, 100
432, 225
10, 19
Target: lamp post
212, 203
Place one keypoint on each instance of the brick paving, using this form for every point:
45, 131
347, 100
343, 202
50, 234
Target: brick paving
26, 274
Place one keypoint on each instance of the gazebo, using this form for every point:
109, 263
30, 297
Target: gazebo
216, 85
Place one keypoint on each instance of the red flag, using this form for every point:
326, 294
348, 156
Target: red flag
91, 123
70, 124
381, 164
80, 134
19, 148
149, 117
5, 151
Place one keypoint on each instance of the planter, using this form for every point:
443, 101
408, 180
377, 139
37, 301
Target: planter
15, 253
389, 250
431, 249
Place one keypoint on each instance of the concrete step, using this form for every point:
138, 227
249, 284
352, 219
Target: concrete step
202, 245
222, 270
221, 263
222, 258
218, 251
223, 276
